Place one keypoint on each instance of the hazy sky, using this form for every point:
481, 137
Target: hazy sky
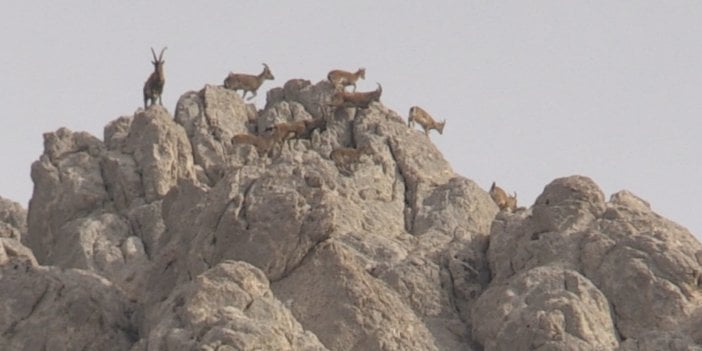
531, 90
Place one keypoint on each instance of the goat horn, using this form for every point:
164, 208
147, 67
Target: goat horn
266, 66
154, 53
160, 57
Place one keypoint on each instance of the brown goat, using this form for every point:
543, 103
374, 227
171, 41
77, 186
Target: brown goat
417, 114
153, 87
501, 199
289, 130
265, 144
343, 98
342, 79
311, 125
345, 157
512, 202
247, 82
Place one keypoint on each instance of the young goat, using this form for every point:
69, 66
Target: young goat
417, 114
153, 87
247, 82
342, 98
501, 199
345, 157
342, 79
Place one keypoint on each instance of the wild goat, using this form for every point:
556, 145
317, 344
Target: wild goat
289, 130
296, 130
311, 125
263, 144
417, 114
345, 157
153, 87
342, 79
501, 199
247, 82
343, 98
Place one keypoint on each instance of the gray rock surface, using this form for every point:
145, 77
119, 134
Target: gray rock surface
230, 306
49, 308
178, 239
647, 267
13, 219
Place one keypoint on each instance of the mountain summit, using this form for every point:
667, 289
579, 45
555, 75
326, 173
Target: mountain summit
307, 227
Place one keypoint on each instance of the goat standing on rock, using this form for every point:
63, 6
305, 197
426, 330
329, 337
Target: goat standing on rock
153, 87
247, 82
417, 114
342, 79
502, 200
343, 98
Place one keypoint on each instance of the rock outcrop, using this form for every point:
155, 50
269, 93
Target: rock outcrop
169, 235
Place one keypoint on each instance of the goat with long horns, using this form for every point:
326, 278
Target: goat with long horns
153, 87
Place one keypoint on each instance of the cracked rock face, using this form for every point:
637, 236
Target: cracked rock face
48, 308
170, 235
13, 219
644, 266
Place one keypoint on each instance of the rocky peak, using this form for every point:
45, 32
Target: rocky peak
184, 233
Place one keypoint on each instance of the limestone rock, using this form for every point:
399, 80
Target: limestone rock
544, 308
644, 265
13, 219
211, 118
230, 306
178, 239
366, 316
68, 184
161, 150
659, 340
48, 308
13, 252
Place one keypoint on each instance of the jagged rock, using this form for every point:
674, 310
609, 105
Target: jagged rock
230, 306
210, 118
333, 296
220, 247
313, 98
567, 204
642, 263
48, 308
659, 340
80, 213
68, 184
544, 308
638, 250
458, 205
13, 252
13, 219
161, 150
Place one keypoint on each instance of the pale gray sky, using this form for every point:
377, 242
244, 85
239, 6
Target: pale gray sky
532, 90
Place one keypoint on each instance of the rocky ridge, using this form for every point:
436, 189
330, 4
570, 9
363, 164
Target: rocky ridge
165, 235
